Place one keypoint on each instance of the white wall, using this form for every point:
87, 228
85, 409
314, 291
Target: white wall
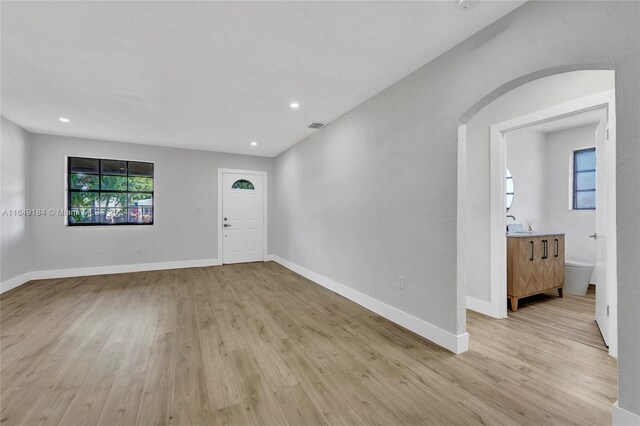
576, 224
373, 194
185, 180
15, 257
526, 157
537, 95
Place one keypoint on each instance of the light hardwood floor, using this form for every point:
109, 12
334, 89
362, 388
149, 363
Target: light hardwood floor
572, 317
258, 344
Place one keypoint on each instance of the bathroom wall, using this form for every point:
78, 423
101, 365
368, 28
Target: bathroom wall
526, 157
576, 224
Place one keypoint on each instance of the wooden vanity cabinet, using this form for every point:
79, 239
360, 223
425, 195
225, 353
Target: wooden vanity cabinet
535, 264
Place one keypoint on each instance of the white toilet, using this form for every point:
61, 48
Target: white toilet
577, 276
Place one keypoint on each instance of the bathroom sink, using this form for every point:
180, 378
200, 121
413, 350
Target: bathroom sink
514, 227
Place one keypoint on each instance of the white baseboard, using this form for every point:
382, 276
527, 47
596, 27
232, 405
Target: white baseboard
455, 343
15, 282
269, 258
101, 270
622, 417
121, 269
479, 305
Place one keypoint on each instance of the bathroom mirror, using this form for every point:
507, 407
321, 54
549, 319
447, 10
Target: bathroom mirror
509, 190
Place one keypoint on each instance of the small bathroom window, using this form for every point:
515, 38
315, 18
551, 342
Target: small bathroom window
584, 179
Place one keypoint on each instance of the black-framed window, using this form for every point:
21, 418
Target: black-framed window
584, 179
109, 192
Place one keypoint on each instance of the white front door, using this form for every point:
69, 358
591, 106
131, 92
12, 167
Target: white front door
602, 274
242, 217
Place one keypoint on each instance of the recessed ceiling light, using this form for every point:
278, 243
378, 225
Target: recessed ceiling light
64, 120
295, 105
254, 143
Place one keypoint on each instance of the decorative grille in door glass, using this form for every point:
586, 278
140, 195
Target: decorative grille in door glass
242, 184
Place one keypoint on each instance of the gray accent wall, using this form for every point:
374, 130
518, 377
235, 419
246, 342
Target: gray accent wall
15, 257
373, 195
186, 215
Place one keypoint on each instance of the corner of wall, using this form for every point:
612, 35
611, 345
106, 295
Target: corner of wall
478, 305
30, 245
622, 417
16, 154
14, 282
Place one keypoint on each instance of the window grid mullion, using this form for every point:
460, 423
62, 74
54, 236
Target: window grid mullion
100, 191
576, 173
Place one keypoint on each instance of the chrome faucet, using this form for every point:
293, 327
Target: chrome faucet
512, 217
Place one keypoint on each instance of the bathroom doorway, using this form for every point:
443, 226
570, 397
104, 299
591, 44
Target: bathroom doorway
564, 193
486, 288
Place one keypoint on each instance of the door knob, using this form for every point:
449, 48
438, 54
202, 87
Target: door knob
594, 236
226, 225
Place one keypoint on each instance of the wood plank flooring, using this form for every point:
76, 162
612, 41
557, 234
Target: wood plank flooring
572, 317
256, 344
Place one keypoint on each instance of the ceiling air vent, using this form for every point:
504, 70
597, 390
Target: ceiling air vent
316, 125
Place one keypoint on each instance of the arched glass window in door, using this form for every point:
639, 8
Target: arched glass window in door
242, 184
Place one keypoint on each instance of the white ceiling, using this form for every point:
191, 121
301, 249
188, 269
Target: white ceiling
214, 75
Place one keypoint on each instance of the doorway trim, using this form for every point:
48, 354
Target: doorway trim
265, 233
498, 220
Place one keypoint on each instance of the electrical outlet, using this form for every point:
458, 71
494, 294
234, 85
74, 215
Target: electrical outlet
98, 250
401, 282
138, 248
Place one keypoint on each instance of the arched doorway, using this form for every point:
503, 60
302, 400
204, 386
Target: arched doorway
481, 177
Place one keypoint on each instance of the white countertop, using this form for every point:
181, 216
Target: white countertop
532, 234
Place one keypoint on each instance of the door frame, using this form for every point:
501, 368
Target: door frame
265, 226
498, 219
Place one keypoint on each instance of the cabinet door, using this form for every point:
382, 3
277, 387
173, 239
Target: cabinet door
529, 251
513, 261
557, 250
547, 263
